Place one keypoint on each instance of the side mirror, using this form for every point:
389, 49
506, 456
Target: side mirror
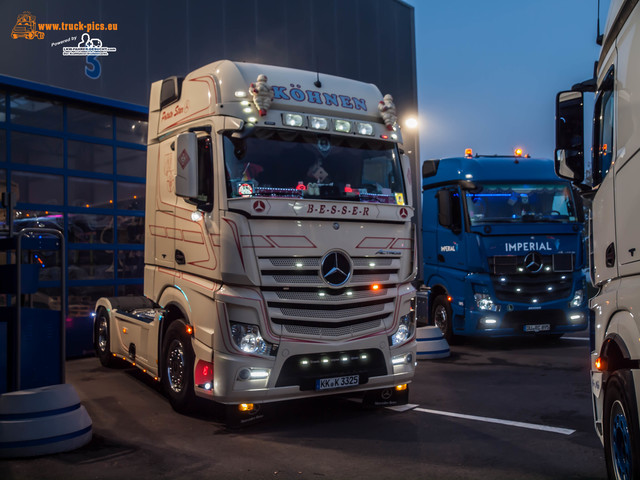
405, 161
449, 211
187, 165
569, 153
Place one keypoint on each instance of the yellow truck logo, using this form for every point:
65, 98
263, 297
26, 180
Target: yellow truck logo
25, 27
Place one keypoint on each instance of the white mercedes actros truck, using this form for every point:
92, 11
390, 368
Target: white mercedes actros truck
613, 175
279, 248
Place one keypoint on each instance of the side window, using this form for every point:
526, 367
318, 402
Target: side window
604, 130
205, 174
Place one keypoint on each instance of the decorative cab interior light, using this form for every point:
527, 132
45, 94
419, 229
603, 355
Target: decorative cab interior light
262, 94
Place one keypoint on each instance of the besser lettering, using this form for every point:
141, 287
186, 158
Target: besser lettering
337, 210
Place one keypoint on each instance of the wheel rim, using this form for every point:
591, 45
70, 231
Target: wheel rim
440, 318
103, 331
176, 366
620, 442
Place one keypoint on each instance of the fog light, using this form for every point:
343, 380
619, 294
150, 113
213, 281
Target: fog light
259, 373
245, 407
401, 388
401, 359
576, 317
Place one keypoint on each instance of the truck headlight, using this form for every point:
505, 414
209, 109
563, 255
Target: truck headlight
404, 332
248, 339
577, 299
485, 302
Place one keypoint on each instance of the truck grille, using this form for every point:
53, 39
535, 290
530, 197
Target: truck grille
525, 288
304, 305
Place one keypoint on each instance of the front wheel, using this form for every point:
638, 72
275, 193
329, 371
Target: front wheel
178, 360
443, 316
621, 435
102, 339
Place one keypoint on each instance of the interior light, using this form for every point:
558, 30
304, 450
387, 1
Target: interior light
292, 119
342, 126
319, 123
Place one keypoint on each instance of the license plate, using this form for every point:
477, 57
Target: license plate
337, 382
545, 327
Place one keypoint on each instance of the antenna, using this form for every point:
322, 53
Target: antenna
598, 34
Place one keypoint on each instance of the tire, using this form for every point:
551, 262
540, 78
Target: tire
621, 434
102, 339
442, 316
178, 360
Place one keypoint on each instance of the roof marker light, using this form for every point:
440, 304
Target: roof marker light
517, 152
319, 123
468, 152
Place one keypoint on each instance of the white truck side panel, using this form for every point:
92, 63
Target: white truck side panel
627, 167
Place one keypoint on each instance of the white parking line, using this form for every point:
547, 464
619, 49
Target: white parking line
532, 426
585, 339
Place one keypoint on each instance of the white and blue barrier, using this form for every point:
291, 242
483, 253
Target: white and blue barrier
431, 343
42, 421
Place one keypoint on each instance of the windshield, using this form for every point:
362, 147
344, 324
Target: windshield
278, 163
516, 203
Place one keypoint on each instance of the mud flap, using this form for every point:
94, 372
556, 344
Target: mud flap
386, 397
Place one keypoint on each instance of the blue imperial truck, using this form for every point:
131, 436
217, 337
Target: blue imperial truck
502, 247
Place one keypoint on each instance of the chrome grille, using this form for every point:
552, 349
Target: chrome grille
304, 305
332, 332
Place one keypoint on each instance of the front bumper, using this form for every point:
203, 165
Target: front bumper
297, 367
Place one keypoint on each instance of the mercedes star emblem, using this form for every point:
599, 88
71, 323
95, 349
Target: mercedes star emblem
335, 268
533, 262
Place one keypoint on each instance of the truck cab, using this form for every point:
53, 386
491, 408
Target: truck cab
502, 247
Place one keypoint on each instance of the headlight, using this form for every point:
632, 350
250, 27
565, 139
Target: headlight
404, 332
248, 339
485, 302
577, 299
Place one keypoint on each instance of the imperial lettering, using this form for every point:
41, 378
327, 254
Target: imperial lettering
527, 247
